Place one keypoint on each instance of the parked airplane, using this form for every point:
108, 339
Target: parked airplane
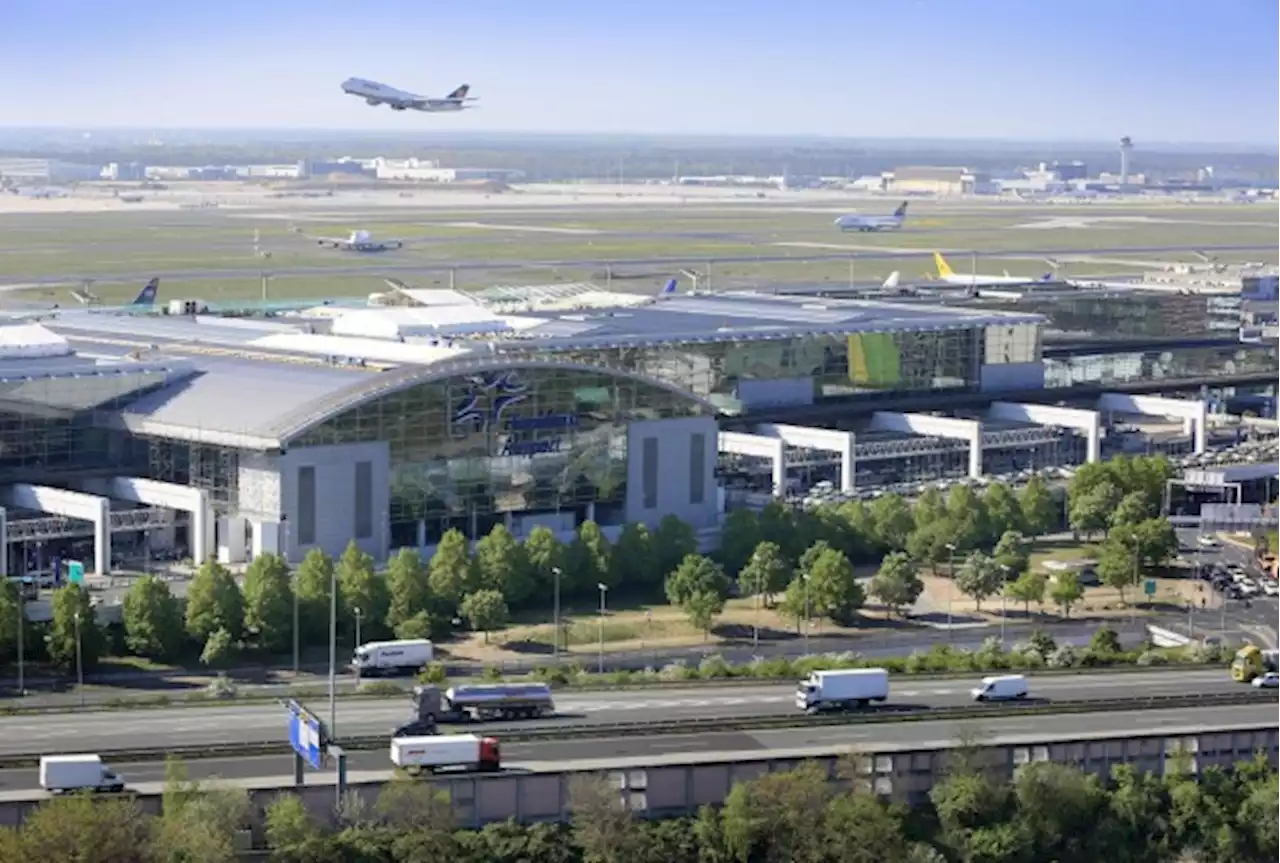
380, 94
951, 277
146, 298
854, 222
358, 241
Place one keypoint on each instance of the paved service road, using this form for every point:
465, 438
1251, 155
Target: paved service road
103, 731
276, 770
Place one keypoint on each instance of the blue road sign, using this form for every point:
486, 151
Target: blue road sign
75, 571
305, 735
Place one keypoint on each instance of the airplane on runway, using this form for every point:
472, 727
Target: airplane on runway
951, 277
399, 100
854, 222
358, 241
146, 298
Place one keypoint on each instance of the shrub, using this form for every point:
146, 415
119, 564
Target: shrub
714, 667
491, 673
381, 687
1151, 657
1064, 657
677, 671
433, 672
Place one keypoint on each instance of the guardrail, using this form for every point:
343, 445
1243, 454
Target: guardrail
872, 716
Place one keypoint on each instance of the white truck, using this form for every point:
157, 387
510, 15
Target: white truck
839, 690
389, 657
64, 773
466, 752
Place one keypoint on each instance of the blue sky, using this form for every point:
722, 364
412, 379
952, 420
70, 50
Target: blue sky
1166, 70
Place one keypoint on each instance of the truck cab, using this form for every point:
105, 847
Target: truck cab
1251, 661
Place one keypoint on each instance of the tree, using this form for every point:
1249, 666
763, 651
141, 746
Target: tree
967, 513
1062, 807
312, 581
1105, 641
1118, 565
739, 539
897, 584
360, 587
501, 565
199, 823
1131, 510
702, 607
1028, 588
218, 650
588, 558
1091, 511
268, 601
833, 589
695, 575
9, 606
893, 521
979, 577
810, 557
484, 611
779, 817
858, 828
633, 563
931, 542
603, 826
214, 602
766, 573
407, 589
1156, 542
673, 541
1013, 551
1004, 511
449, 573
72, 613
862, 526
1040, 511
545, 553
80, 827
152, 619
1066, 591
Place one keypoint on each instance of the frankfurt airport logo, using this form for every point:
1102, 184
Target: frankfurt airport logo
488, 397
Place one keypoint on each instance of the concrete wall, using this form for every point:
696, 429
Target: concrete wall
673, 439
997, 377
335, 491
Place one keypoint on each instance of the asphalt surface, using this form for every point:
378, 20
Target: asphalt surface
276, 770
1218, 614
103, 731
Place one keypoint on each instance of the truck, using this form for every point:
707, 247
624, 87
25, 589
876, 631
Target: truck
839, 690
60, 774
479, 702
465, 752
1251, 661
390, 657
1004, 687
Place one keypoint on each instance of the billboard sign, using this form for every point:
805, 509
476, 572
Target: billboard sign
306, 735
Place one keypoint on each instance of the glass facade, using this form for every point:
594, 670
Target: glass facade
1114, 314
464, 450
841, 365
1154, 365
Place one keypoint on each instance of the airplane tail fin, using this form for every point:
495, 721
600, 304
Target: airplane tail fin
901, 212
944, 269
1047, 277
668, 289
460, 93
147, 296
891, 282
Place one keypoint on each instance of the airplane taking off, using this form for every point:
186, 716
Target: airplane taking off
399, 100
854, 222
358, 241
951, 277
146, 298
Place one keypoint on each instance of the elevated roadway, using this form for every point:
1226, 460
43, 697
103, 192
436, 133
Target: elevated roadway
275, 771
104, 731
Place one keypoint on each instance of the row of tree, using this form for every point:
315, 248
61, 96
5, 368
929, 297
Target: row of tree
1047, 812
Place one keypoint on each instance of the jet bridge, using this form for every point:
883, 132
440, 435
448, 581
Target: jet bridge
172, 496
71, 504
1193, 413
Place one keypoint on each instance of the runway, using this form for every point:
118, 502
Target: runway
553, 756
104, 731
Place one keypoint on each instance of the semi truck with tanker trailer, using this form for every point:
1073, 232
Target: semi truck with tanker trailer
482, 702
430, 753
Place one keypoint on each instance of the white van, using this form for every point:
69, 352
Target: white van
1004, 688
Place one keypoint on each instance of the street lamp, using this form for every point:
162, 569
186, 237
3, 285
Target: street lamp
22, 624
79, 660
356, 611
555, 636
603, 590
804, 586
293, 582
333, 651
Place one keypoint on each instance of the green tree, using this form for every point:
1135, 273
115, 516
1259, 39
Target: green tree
1156, 542
967, 513
1065, 591
1137, 818
80, 828
408, 592
702, 608
72, 613
360, 587
545, 554
893, 521
974, 811
214, 602
777, 524
1131, 510
833, 589
931, 542
862, 525
811, 554
289, 825
1040, 512
588, 560
980, 577
219, 649
9, 606
1004, 511
312, 581
633, 562
449, 573
152, 619
766, 572
739, 539
779, 817
930, 506
1118, 563
1013, 551
897, 583
1063, 808
268, 601
1091, 511
501, 565
695, 575
673, 541
1105, 641
484, 611
859, 828
1027, 588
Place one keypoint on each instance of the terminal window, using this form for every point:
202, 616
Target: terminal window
306, 505
697, 468
649, 469
364, 499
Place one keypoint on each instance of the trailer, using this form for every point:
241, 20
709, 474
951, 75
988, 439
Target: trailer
67, 773
390, 657
839, 690
489, 701
465, 752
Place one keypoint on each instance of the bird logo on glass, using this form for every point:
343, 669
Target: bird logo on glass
486, 407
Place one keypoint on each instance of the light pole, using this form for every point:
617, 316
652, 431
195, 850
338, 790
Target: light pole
755, 626
804, 586
356, 612
1004, 606
79, 660
293, 582
555, 636
333, 651
603, 591
951, 582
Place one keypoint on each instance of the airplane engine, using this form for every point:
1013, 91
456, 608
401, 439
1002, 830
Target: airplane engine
372, 101
397, 107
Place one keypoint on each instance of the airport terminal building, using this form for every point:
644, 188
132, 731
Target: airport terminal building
390, 425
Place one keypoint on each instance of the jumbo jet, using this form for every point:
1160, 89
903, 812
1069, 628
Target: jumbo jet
854, 222
951, 277
357, 241
399, 100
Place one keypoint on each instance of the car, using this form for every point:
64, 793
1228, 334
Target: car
1270, 588
1270, 680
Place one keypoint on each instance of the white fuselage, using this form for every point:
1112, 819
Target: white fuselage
979, 280
399, 100
869, 223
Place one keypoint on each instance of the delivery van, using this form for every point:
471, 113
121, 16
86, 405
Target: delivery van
837, 690
64, 773
1006, 687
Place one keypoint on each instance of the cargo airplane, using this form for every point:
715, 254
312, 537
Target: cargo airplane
357, 241
854, 222
978, 280
399, 100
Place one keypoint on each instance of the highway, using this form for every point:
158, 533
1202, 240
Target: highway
369, 766
104, 731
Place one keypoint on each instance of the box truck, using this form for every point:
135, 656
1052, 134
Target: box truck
466, 752
837, 690
390, 657
63, 773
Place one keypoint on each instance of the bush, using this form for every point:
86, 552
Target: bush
433, 672
491, 673
1151, 657
677, 671
1064, 657
1105, 642
714, 667
381, 688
